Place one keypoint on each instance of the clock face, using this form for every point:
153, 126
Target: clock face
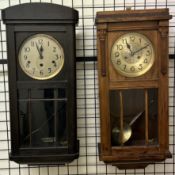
41, 57
132, 54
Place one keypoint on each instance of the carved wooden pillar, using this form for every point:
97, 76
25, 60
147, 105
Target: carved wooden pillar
102, 41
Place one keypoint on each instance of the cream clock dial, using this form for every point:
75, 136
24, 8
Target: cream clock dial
41, 57
132, 54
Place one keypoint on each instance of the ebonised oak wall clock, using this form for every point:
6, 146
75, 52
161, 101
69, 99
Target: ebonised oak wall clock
42, 86
133, 85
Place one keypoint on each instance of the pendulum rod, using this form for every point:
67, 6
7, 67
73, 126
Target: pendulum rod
121, 117
146, 117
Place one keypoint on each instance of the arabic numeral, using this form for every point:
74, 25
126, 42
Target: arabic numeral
124, 67
145, 60
54, 63
54, 49
49, 70
41, 72
33, 70
140, 40
117, 54
28, 64
58, 57
148, 53
124, 40
119, 47
32, 43
132, 38
132, 69
118, 62
27, 49
140, 67
25, 57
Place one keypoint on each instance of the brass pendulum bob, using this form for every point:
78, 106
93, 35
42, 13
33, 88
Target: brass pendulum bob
120, 138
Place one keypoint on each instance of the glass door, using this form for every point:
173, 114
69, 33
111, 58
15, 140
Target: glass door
134, 117
42, 116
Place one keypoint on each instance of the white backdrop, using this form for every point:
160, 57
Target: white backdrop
87, 95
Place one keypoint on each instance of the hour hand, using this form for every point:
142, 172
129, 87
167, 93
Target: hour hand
39, 51
129, 47
37, 47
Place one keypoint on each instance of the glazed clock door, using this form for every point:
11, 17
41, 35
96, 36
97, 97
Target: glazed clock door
43, 117
134, 117
43, 103
42, 111
131, 109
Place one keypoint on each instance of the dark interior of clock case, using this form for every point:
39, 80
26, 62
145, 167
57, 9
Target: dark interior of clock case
42, 117
134, 117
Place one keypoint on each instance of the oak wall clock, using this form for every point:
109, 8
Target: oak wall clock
42, 86
133, 85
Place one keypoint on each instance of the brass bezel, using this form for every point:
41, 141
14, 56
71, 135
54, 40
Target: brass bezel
136, 74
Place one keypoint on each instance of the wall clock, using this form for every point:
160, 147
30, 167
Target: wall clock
133, 85
41, 64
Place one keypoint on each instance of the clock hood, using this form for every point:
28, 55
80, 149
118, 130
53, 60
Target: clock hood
132, 15
39, 13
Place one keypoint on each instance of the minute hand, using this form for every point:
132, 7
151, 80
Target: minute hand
140, 49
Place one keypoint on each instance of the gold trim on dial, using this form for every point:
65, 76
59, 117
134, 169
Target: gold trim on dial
41, 57
132, 54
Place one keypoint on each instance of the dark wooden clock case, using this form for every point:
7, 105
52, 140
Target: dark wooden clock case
152, 23
58, 21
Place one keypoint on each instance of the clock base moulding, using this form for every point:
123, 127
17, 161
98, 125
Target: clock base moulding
47, 159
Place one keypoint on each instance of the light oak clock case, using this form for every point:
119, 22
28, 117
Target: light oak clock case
42, 111
143, 97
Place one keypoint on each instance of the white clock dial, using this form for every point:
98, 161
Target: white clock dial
41, 57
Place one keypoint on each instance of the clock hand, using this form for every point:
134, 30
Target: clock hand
37, 48
41, 50
129, 47
140, 49
41, 57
